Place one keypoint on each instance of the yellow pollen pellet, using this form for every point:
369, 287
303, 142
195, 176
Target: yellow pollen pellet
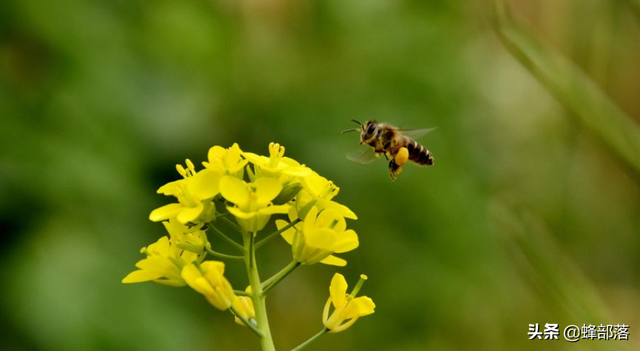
402, 156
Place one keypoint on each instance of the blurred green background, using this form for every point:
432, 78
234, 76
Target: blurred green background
528, 216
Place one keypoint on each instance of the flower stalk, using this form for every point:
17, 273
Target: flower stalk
258, 298
222, 255
227, 239
310, 340
278, 277
276, 233
247, 322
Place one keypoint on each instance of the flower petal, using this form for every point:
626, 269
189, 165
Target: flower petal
174, 283
162, 247
358, 307
175, 228
342, 209
234, 190
347, 241
170, 188
192, 275
216, 267
315, 184
330, 217
338, 290
310, 220
215, 154
334, 261
255, 159
297, 171
275, 209
205, 184
322, 238
238, 213
232, 156
160, 265
190, 214
165, 212
266, 190
140, 276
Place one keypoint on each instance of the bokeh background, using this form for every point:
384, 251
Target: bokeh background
529, 215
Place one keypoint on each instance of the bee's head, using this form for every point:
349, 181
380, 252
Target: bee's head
367, 130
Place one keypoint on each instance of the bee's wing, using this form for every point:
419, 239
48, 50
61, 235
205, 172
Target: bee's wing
364, 154
416, 133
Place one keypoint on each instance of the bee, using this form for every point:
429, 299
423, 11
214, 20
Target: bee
395, 144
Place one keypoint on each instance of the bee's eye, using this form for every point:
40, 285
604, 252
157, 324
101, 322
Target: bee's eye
371, 129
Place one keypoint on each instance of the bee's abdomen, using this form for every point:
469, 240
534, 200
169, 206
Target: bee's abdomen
418, 153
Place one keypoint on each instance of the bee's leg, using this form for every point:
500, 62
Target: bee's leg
396, 163
394, 170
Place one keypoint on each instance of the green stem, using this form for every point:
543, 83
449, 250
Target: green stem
223, 215
311, 339
278, 277
232, 225
242, 293
276, 233
246, 322
221, 255
256, 290
227, 239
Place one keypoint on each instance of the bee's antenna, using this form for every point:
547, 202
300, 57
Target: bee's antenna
350, 130
353, 129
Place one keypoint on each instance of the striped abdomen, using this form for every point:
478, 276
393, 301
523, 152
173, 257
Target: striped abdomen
418, 153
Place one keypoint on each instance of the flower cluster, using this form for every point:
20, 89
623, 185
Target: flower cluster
245, 191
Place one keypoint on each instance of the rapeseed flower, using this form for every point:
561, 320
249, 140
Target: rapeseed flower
243, 305
253, 201
163, 264
277, 164
318, 191
194, 194
347, 307
321, 234
226, 161
208, 279
190, 239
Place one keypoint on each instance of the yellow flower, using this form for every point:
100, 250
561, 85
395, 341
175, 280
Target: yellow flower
194, 193
244, 306
253, 206
163, 264
276, 164
209, 280
318, 191
347, 307
190, 239
226, 161
319, 236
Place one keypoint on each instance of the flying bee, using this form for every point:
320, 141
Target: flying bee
395, 144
